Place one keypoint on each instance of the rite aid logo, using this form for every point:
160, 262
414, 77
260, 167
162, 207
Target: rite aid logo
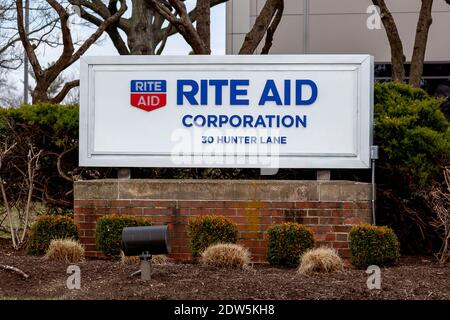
148, 95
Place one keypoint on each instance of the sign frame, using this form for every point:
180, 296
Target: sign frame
364, 64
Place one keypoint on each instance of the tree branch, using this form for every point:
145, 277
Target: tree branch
182, 23
34, 61
14, 269
112, 31
193, 15
94, 37
64, 91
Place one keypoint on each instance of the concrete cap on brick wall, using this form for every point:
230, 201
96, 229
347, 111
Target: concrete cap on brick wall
257, 190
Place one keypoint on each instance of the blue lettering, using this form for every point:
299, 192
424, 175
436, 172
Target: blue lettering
287, 92
218, 86
199, 121
260, 122
235, 123
223, 119
185, 122
248, 121
299, 85
299, 121
143, 86
204, 92
270, 93
235, 92
189, 95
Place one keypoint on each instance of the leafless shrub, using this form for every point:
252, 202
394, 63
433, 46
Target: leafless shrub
439, 202
16, 198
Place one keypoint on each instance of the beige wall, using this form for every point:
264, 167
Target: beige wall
340, 27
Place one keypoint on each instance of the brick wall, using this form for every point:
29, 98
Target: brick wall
329, 207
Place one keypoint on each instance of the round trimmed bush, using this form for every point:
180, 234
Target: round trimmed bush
207, 230
108, 232
373, 245
226, 255
320, 260
287, 242
50, 227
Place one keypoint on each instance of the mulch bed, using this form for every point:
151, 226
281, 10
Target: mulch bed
413, 278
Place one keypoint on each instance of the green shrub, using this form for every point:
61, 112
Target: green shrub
412, 133
204, 231
287, 242
108, 232
47, 228
372, 245
414, 140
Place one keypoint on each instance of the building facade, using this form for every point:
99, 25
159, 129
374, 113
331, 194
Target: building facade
348, 27
345, 26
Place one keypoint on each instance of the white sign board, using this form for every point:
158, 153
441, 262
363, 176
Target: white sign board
279, 111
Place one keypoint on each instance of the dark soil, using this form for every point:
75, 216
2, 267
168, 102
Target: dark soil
413, 278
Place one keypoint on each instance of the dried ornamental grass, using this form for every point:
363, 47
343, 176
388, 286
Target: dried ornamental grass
66, 250
226, 255
128, 260
320, 260
159, 259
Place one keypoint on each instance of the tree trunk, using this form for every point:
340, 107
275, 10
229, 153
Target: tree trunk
39, 94
204, 23
420, 44
141, 37
397, 53
259, 29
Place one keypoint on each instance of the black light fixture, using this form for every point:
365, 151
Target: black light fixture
145, 242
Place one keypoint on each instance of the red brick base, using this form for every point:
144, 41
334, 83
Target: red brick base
312, 203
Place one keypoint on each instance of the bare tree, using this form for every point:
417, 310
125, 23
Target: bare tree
420, 45
46, 76
5, 149
43, 30
10, 56
439, 201
198, 36
144, 32
17, 197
